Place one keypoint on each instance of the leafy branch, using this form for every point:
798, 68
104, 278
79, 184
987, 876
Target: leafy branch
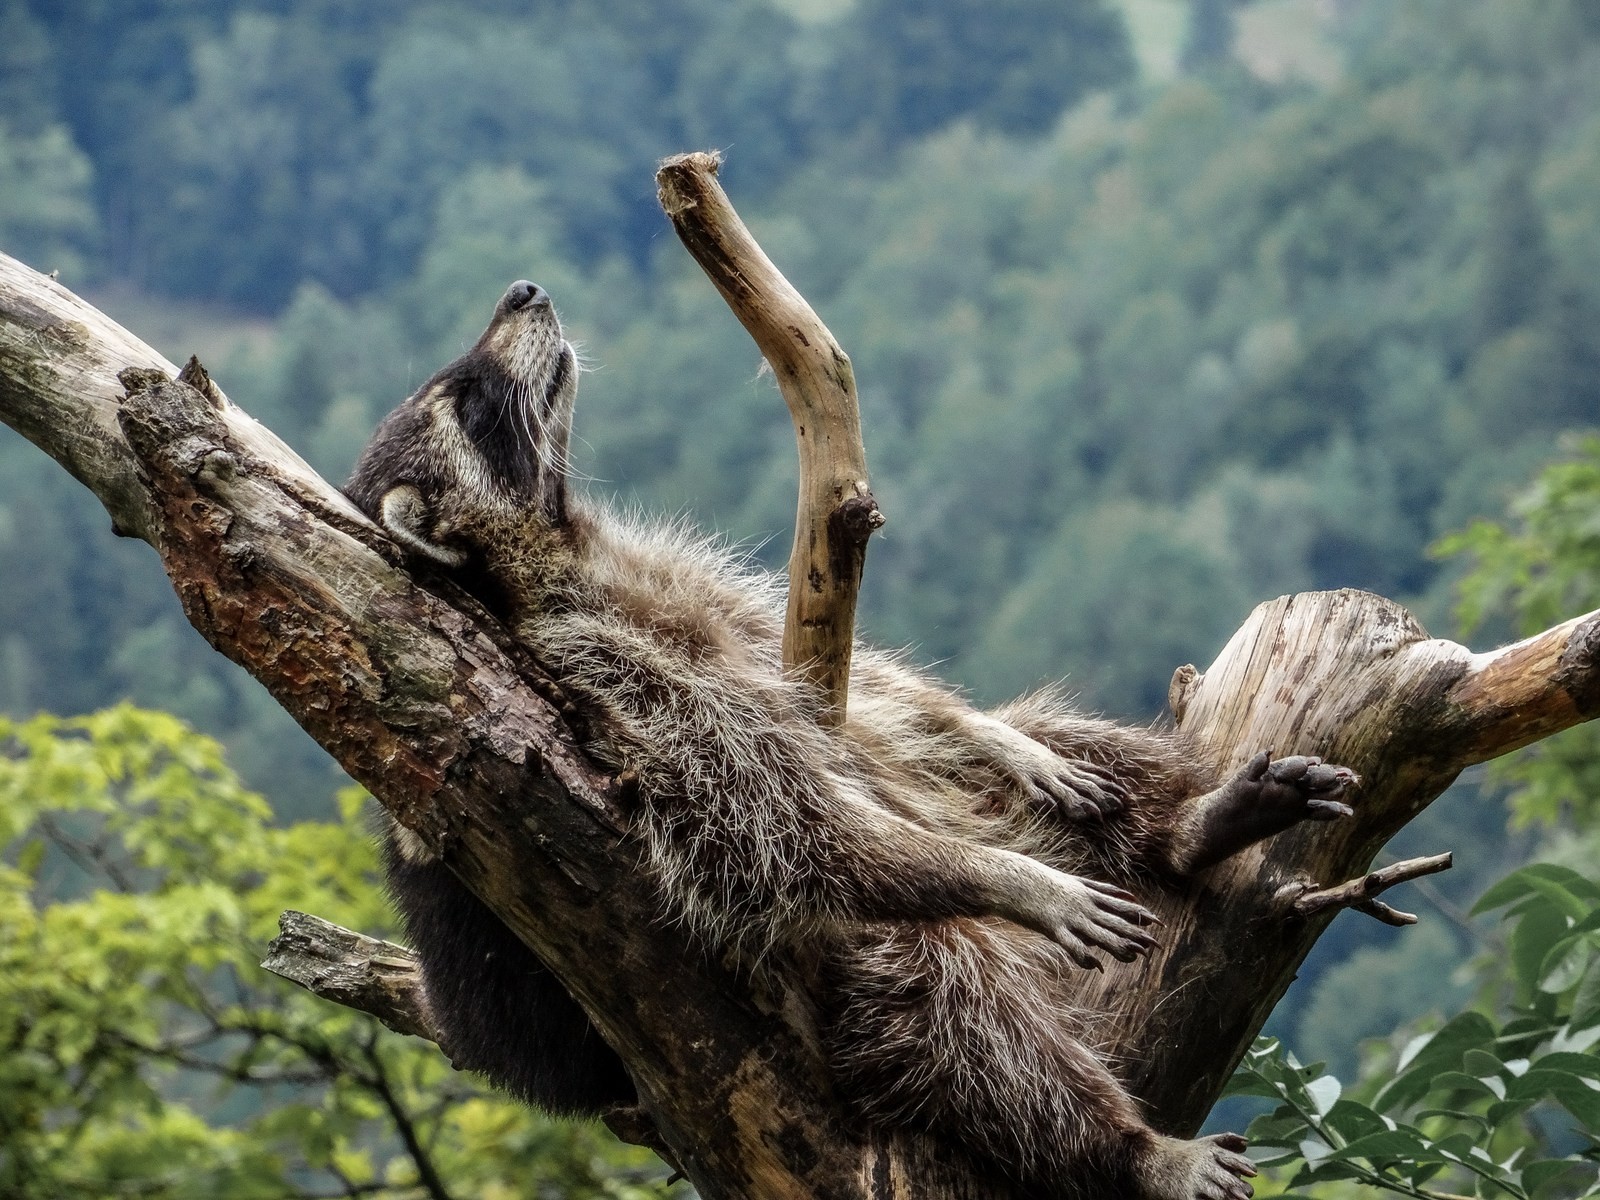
1495, 1077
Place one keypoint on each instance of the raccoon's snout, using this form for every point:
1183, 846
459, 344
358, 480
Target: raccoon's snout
523, 294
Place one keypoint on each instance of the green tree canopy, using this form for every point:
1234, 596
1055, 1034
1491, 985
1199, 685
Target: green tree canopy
143, 1052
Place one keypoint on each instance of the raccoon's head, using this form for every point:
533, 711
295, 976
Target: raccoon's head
487, 435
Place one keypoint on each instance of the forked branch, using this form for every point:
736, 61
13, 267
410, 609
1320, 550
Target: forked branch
1361, 894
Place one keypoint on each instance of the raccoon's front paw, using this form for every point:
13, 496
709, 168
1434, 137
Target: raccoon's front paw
1080, 791
1085, 916
1209, 1168
405, 515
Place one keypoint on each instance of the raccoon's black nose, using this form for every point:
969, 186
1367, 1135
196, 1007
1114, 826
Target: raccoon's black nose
522, 293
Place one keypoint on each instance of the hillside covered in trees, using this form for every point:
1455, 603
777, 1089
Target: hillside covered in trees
1136, 348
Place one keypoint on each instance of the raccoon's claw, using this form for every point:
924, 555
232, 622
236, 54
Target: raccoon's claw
1082, 791
1223, 1177
1087, 918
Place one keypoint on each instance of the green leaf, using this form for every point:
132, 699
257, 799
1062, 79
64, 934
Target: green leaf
1481, 1063
1554, 1177
1502, 1111
1563, 886
1459, 1081
1323, 1091
1441, 1051
1536, 932
1350, 1120
1586, 1066
31, 856
1586, 1004
1565, 964
1389, 1144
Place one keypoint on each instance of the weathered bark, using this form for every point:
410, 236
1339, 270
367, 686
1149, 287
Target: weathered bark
426, 701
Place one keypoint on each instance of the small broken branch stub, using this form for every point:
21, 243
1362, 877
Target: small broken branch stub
349, 968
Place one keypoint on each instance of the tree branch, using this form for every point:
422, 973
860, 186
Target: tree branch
1527, 691
427, 1173
348, 968
837, 513
1360, 893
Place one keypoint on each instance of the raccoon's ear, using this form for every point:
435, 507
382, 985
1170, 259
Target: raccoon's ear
404, 513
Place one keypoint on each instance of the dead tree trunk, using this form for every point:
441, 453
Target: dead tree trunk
427, 702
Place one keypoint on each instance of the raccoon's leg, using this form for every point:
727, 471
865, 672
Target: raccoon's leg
1265, 797
500, 1010
757, 823
760, 868
897, 705
960, 1029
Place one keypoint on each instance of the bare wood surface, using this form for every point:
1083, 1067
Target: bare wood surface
1527, 691
432, 707
836, 513
60, 362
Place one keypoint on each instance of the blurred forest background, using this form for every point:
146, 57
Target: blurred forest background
1158, 308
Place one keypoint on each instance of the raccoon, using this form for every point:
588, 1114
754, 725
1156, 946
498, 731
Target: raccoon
933, 864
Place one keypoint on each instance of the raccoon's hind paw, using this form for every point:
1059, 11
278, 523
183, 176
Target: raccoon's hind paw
1297, 788
1209, 1168
1265, 797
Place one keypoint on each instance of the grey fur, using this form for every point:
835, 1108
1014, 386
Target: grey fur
938, 870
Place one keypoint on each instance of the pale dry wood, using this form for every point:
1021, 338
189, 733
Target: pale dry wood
836, 512
1527, 691
60, 361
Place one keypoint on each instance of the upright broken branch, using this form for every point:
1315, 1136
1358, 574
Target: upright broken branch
837, 513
